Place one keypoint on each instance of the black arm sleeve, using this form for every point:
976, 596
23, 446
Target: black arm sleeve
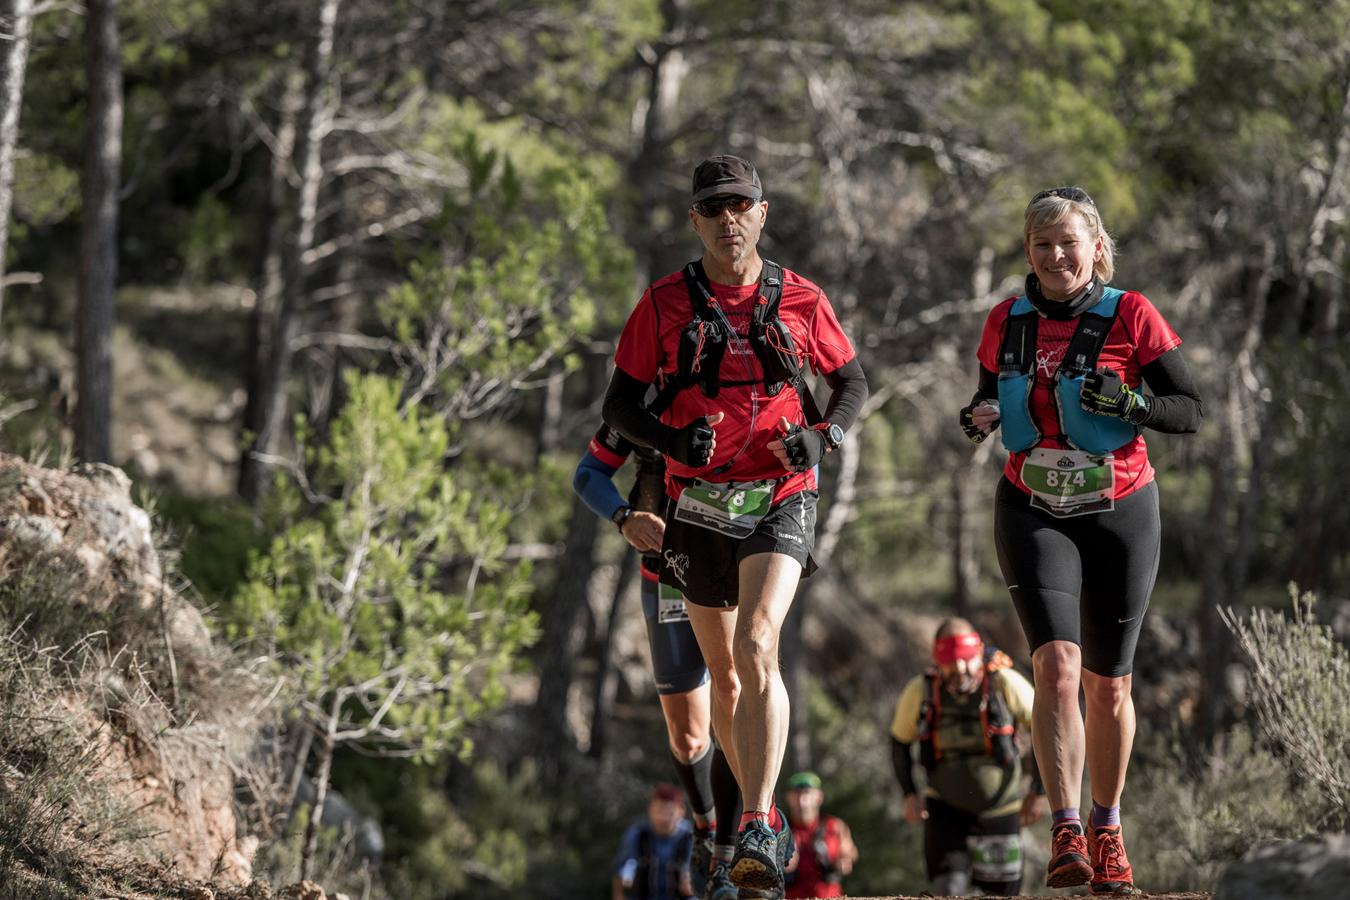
903, 763
1175, 406
988, 386
625, 411
848, 393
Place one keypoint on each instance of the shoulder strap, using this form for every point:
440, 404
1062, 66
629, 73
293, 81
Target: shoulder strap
1018, 350
771, 289
701, 296
1090, 337
700, 291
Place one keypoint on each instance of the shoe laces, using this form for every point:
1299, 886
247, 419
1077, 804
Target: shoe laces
1068, 839
1111, 853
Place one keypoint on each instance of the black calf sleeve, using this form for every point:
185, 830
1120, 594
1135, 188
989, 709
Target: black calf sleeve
726, 799
695, 778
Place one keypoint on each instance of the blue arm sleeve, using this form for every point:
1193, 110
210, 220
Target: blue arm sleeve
594, 483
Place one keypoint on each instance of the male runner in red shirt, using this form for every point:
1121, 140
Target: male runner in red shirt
726, 341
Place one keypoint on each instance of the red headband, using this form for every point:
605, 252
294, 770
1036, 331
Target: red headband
958, 646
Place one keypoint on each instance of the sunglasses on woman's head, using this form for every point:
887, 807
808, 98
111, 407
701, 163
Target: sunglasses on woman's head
713, 206
1076, 194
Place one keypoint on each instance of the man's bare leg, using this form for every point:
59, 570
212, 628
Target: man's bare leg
713, 629
760, 726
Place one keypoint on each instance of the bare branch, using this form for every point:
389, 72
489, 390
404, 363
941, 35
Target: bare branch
373, 230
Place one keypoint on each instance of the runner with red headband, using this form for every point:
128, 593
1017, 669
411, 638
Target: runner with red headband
964, 712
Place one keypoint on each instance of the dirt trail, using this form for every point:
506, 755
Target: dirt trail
1184, 895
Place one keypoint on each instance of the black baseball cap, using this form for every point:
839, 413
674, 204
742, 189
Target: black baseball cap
726, 175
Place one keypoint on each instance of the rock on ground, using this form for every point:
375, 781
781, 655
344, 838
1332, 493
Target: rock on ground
179, 776
1316, 869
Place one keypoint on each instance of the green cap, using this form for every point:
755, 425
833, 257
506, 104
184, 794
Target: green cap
803, 780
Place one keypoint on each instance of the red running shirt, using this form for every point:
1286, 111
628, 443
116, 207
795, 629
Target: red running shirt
808, 880
649, 351
1138, 336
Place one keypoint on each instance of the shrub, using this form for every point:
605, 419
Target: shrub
1300, 677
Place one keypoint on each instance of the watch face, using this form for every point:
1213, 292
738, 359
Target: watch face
836, 435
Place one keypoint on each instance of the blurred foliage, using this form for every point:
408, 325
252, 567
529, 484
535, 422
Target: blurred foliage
215, 539
1237, 795
385, 587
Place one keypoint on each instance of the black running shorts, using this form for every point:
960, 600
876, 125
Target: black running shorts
1085, 579
946, 841
705, 565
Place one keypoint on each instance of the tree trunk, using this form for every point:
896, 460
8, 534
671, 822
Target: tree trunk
267, 278
605, 683
98, 237
315, 118
550, 426
794, 682
842, 497
558, 638
1239, 459
964, 569
668, 66
19, 23
323, 771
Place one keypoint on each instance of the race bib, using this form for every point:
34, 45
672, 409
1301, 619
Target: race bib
670, 606
1070, 482
732, 509
995, 857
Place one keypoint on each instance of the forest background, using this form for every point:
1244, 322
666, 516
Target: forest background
338, 284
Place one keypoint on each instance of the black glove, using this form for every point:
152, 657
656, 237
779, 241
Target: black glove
968, 425
1105, 394
804, 446
691, 445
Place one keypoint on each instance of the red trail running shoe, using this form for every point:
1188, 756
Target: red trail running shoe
1110, 868
1068, 857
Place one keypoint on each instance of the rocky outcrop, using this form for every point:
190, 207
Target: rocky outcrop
1316, 869
176, 770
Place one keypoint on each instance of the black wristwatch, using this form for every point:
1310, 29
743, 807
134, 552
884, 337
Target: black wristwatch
621, 515
834, 435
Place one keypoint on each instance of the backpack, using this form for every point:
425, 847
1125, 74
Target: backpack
995, 717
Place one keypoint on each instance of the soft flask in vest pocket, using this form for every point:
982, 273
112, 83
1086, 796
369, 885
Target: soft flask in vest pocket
1088, 431
1014, 401
702, 344
777, 354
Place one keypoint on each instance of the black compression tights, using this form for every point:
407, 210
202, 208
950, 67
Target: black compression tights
726, 800
1084, 579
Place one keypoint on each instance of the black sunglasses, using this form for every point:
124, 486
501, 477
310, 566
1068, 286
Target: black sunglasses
1076, 194
713, 206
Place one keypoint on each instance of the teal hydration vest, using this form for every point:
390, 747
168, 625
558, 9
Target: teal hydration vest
1094, 433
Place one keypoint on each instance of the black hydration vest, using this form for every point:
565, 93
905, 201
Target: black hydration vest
704, 342
646, 880
996, 719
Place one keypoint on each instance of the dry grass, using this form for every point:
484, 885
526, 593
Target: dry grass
93, 699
